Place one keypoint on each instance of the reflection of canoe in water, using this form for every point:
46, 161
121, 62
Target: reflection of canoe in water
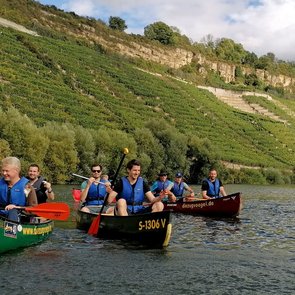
228, 206
19, 235
150, 229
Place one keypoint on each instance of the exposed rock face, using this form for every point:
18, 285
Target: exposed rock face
171, 57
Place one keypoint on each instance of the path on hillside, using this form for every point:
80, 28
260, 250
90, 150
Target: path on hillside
235, 99
9, 24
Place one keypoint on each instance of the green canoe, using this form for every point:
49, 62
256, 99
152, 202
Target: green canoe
24, 234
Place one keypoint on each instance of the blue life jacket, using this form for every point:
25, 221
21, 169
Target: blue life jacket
17, 197
134, 196
214, 188
178, 189
96, 194
161, 186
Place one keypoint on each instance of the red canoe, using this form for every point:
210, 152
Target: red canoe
228, 206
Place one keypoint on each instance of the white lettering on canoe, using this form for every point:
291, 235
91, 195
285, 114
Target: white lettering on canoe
198, 205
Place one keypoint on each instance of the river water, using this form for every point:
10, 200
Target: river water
251, 254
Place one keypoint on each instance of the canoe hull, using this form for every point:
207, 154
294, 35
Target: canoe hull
228, 206
19, 235
152, 230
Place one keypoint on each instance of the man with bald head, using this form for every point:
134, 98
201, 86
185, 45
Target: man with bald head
14, 189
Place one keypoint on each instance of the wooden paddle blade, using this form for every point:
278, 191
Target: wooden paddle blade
94, 227
54, 211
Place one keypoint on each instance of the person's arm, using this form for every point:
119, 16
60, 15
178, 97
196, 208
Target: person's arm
204, 189
189, 189
49, 191
84, 192
222, 191
150, 196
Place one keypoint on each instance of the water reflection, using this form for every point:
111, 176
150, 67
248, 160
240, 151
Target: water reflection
251, 254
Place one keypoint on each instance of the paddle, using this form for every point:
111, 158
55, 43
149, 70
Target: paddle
86, 178
54, 211
94, 227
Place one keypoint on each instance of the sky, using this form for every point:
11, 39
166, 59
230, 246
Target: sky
261, 26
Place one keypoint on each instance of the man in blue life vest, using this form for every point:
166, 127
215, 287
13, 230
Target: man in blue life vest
180, 187
93, 190
212, 187
42, 187
14, 190
163, 185
131, 191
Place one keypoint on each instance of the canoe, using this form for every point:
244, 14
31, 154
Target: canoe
152, 230
228, 206
15, 235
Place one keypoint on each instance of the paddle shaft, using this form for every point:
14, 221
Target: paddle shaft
113, 181
86, 178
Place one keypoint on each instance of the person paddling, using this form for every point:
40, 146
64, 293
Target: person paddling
212, 187
94, 189
131, 191
180, 187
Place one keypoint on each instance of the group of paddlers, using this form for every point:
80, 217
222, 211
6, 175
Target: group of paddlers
133, 195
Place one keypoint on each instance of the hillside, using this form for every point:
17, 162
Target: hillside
54, 76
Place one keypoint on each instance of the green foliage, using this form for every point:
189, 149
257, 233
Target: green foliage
159, 31
117, 23
67, 102
228, 50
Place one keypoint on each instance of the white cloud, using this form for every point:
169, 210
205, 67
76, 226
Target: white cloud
259, 25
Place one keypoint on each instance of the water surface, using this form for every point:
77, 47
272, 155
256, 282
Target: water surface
251, 254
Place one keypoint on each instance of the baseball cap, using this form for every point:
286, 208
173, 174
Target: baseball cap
178, 174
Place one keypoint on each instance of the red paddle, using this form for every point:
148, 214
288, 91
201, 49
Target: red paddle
55, 211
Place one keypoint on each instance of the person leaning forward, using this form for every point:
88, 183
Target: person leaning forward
93, 190
163, 185
212, 187
14, 189
42, 187
130, 192
180, 187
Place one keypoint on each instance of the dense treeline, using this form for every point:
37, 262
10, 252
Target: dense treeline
63, 149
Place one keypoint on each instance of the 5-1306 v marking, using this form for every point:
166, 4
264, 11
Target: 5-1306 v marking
152, 224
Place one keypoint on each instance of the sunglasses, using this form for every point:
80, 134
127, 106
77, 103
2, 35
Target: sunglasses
96, 171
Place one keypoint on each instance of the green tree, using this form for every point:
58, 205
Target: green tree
117, 23
26, 141
61, 157
227, 49
85, 147
159, 31
150, 151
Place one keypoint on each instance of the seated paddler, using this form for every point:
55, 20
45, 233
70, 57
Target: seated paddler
93, 190
212, 187
132, 191
15, 191
162, 185
181, 189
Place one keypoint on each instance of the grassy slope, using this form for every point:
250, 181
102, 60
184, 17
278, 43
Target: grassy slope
50, 79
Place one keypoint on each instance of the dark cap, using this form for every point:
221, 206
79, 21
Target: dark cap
178, 174
163, 173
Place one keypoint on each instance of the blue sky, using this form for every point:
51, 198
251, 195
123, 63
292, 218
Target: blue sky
261, 26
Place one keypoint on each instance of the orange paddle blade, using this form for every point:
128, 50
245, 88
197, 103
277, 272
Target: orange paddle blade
94, 227
55, 211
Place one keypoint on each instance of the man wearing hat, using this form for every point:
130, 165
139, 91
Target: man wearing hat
163, 184
179, 186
